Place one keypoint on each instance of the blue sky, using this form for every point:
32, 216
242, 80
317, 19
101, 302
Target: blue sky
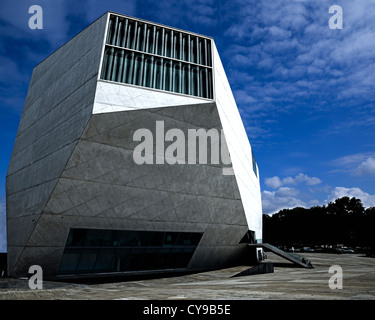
306, 93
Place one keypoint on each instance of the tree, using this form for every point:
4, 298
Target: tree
342, 221
346, 206
367, 238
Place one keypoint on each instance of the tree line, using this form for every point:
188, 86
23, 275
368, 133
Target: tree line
344, 221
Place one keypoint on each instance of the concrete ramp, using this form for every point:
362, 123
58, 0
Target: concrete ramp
263, 267
292, 257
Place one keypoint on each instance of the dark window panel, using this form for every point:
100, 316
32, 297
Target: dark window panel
97, 250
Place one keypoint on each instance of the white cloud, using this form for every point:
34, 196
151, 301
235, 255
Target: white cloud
276, 182
310, 181
273, 182
298, 58
284, 198
368, 200
367, 167
359, 164
288, 198
279, 33
286, 192
350, 160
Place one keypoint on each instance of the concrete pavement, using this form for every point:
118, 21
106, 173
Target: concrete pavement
286, 283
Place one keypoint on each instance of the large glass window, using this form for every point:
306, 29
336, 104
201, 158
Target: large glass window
143, 54
101, 251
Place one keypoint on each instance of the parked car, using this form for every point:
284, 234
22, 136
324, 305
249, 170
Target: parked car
344, 250
347, 250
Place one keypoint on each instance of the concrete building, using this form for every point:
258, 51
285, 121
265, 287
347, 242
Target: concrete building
78, 204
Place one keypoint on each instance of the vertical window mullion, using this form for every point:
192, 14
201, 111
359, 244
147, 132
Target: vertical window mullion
173, 77
207, 88
134, 42
176, 46
141, 71
210, 84
189, 79
154, 68
144, 40
125, 68
180, 43
119, 33
120, 66
131, 67
110, 27
114, 35
145, 71
184, 48
192, 51
201, 83
180, 78
205, 52
152, 85
170, 63
138, 45
166, 44
128, 42
198, 82
197, 50
162, 73
157, 42
148, 32
162, 41
209, 54
202, 52
105, 64
125, 33
135, 69
153, 40
189, 49
110, 64
172, 44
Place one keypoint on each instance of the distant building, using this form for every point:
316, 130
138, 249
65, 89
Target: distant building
78, 204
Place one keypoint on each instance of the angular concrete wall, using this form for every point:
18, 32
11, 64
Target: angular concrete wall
102, 187
57, 108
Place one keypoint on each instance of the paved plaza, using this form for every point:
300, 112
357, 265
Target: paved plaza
286, 283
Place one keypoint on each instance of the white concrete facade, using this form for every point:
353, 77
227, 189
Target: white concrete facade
117, 97
239, 148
